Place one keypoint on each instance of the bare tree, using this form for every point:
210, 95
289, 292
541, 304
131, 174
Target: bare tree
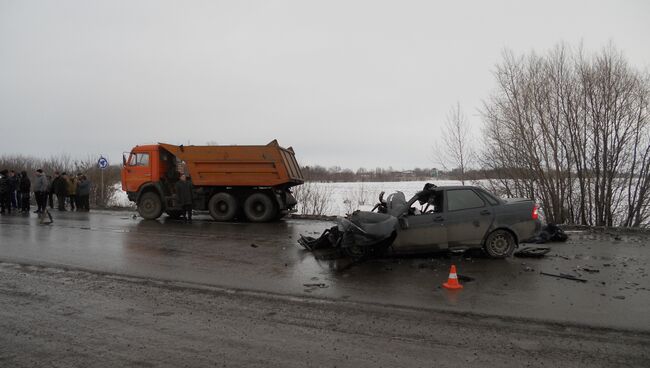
572, 131
455, 151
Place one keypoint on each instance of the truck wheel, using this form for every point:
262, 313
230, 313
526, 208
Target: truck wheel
150, 206
222, 206
258, 207
499, 244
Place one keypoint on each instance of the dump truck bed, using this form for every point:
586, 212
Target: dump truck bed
269, 165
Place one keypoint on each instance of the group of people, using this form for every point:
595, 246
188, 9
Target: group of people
71, 191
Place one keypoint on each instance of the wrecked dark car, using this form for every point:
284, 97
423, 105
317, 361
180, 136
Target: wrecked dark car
435, 219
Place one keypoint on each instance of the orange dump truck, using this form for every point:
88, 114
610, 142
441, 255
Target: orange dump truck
231, 182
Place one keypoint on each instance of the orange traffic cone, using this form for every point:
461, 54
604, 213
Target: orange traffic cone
452, 281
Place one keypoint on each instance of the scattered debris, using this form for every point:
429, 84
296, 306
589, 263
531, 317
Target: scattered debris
619, 297
316, 285
465, 278
254, 245
532, 252
528, 269
549, 233
590, 270
563, 276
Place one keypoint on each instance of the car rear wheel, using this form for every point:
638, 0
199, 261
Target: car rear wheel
499, 244
223, 206
150, 206
259, 207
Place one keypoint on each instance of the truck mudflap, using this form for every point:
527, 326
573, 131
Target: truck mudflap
286, 201
360, 234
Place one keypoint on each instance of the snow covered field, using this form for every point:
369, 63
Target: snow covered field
346, 197
340, 198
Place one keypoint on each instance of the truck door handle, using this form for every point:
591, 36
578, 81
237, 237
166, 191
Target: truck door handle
485, 212
438, 219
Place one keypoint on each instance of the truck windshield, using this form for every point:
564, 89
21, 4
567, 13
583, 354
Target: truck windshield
139, 159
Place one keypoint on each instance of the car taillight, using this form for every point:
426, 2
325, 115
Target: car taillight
535, 212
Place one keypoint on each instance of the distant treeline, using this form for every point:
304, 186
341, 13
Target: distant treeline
337, 174
317, 173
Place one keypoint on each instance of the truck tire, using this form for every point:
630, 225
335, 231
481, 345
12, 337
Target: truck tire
223, 206
150, 206
499, 244
259, 207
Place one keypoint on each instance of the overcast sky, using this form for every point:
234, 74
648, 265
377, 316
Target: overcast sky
347, 83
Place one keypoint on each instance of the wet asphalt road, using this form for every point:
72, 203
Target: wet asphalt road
266, 258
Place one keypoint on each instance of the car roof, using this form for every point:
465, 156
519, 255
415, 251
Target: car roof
456, 187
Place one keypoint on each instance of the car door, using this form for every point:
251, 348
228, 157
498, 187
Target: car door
424, 232
468, 217
138, 171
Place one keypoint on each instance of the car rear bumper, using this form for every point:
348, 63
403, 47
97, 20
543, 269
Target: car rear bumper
527, 230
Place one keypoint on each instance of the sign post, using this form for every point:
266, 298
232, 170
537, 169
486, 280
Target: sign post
102, 163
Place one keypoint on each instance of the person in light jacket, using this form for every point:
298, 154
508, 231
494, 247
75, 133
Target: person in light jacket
41, 188
83, 194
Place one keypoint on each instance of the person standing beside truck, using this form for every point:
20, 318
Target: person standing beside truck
184, 197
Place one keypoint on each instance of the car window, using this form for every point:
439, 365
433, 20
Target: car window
461, 199
490, 198
139, 159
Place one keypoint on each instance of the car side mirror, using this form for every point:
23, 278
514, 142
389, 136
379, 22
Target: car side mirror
403, 223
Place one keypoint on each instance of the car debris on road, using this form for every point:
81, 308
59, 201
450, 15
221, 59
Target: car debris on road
532, 252
563, 276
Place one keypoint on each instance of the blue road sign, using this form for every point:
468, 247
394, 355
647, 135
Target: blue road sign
102, 163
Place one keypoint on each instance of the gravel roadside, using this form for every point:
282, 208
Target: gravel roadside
51, 317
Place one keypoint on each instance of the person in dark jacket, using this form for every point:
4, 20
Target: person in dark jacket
184, 197
24, 187
13, 188
5, 201
83, 194
49, 193
60, 189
